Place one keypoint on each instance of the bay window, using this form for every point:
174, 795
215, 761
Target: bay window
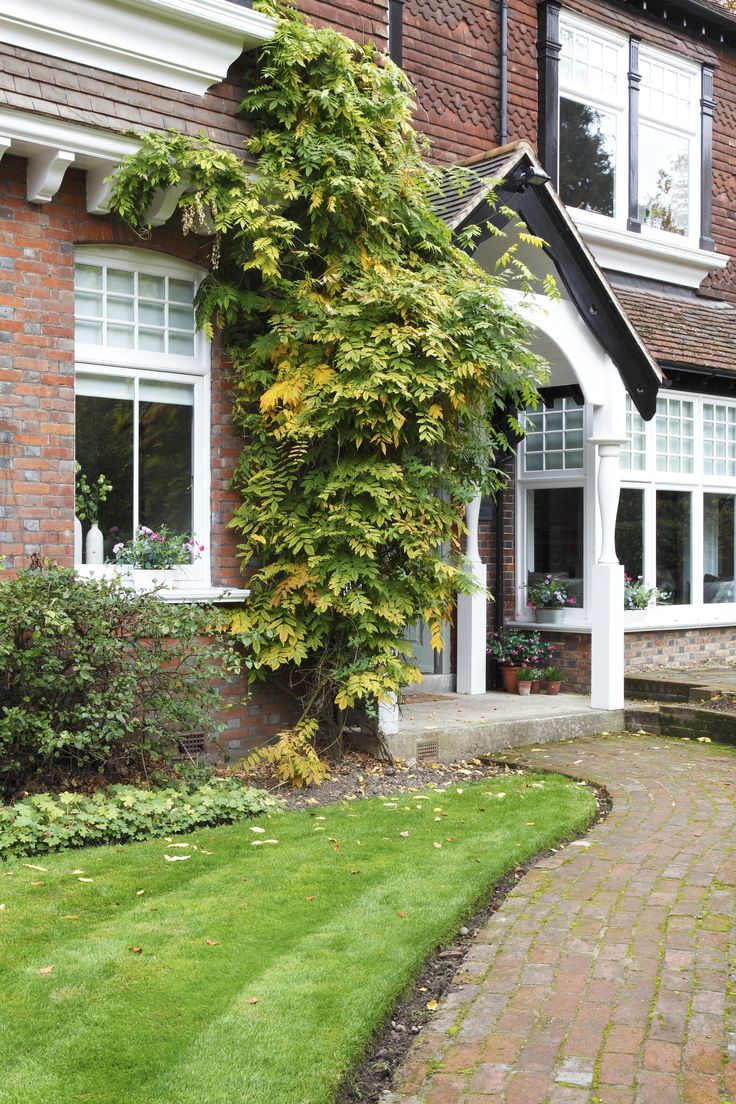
676, 524
142, 393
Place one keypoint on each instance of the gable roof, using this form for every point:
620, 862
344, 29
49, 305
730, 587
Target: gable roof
467, 197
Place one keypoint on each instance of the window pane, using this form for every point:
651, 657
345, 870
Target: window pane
104, 446
88, 276
664, 179
718, 548
120, 281
673, 546
555, 430
165, 490
556, 516
630, 531
587, 157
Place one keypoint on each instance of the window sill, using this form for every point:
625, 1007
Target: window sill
188, 590
675, 261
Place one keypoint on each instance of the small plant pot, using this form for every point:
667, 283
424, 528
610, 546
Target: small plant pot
524, 687
553, 687
537, 686
549, 616
509, 676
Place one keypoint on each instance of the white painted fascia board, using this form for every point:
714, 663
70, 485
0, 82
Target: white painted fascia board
639, 255
183, 44
28, 133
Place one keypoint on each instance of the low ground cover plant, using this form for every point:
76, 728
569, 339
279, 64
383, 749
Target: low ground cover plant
249, 963
98, 676
120, 814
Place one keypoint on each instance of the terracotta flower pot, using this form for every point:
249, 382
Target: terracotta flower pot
537, 686
508, 674
525, 687
553, 687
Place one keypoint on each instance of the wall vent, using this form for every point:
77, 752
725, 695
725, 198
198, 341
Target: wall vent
191, 743
428, 751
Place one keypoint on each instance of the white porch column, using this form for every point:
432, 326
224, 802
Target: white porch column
472, 613
388, 716
607, 579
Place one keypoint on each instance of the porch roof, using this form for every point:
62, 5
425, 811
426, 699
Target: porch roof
687, 331
515, 176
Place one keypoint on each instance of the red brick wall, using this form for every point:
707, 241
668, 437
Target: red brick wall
37, 399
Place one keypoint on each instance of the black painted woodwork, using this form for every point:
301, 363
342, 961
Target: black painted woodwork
396, 31
549, 48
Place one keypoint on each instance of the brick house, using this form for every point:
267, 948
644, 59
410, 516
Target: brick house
631, 107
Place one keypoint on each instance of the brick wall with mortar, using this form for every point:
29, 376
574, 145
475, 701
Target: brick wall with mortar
37, 399
679, 647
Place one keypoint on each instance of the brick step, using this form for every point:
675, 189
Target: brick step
685, 720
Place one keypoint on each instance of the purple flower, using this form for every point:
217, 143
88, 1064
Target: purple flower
117, 548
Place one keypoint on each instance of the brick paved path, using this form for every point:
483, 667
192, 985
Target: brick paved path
603, 978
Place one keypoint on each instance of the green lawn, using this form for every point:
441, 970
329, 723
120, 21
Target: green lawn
322, 929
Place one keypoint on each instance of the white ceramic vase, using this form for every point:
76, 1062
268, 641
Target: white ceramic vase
95, 546
78, 540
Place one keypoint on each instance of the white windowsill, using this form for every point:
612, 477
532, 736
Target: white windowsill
194, 591
652, 623
669, 259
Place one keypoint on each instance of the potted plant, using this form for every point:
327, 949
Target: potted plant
638, 597
524, 680
537, 675
515, 649
87, 500
549, 598
155, 558
553, 679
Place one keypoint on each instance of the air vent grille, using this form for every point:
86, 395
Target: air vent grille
428, 751
192, 743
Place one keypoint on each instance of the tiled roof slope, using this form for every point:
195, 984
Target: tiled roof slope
692, 332
70, 92
464, 185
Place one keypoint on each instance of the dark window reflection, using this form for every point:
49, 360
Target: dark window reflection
558, 537
587, 157
630, 531
673, 546
718, 548
165, 466
104, 446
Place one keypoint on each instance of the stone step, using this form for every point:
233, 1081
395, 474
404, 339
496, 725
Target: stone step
686, 720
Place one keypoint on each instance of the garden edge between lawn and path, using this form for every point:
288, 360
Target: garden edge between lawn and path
293, 974
374, 1073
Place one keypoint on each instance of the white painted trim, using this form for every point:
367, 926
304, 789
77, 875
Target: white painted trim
183, 44
657, 256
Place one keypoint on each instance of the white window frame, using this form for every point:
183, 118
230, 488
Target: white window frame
620, 108
697, 484
576, 618
132, 364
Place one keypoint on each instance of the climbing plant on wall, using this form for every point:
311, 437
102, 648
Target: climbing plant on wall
374, 362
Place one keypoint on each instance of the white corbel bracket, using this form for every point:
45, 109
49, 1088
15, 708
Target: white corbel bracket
163, 204
4, 146
99, 188
45, 173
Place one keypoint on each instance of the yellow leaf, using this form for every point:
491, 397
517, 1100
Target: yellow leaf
431, 1005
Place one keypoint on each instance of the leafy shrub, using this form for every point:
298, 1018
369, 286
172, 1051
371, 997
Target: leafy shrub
122, 814
94, 674
293, 757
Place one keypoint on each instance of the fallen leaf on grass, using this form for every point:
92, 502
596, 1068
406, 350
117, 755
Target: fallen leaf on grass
212, 942
85, 879
177, 858
438, 846
70, 917
77, 872
401, 915
46, 970
704, 739
252, 1000
270, 841
186, 846
2, 907
139, 892
136, 950
311, 898
404, 834
32, 867
257, 829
